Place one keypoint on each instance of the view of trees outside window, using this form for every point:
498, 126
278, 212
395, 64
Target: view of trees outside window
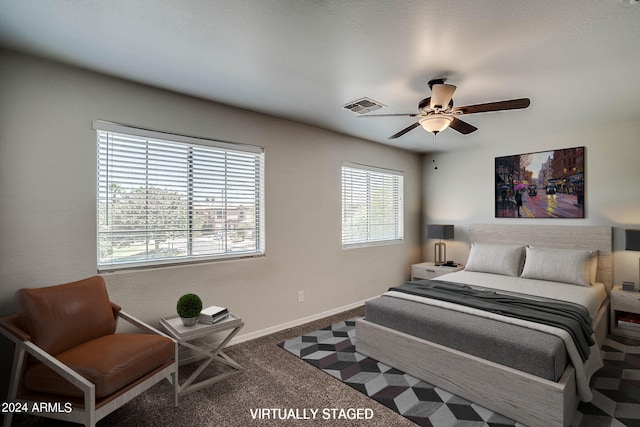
372, 206
160, 200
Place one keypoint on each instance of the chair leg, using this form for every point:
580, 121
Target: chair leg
90, 407
19, 356
8, 416
175, 387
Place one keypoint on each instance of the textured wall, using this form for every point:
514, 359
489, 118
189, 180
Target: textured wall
48, 193
461, 190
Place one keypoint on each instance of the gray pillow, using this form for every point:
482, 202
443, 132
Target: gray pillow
497, 259
561, 265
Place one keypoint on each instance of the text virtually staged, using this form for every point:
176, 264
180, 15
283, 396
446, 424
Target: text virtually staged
311, 413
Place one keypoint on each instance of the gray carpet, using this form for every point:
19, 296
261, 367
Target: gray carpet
276, 380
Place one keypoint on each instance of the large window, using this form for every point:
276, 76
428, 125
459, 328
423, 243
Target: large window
372, 205
165, 198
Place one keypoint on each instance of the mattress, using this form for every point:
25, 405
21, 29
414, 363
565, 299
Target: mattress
518, 347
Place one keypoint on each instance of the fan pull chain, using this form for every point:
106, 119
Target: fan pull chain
435, 163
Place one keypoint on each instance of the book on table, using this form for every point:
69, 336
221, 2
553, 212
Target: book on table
213, 314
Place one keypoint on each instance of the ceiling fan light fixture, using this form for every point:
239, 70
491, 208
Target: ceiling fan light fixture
436, 123
441, 95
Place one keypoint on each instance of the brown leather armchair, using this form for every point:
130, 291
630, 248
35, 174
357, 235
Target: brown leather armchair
69, 359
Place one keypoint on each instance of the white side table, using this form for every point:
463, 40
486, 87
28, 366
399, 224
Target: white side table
190, 340
428, 270
623, 302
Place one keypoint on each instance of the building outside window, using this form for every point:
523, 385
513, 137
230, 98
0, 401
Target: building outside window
165, 198
372, 206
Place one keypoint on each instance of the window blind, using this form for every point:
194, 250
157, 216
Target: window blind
372, 205
165, 198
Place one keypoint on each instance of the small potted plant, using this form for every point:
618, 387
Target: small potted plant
188, 308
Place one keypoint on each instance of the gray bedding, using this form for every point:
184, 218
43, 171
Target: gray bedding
524, 349
572, 318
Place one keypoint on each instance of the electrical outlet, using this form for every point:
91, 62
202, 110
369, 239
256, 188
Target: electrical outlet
300, 296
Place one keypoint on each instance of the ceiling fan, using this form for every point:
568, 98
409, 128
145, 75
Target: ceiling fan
437, 113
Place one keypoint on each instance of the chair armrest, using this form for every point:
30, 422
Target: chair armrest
115, 308
10, 329
142, 325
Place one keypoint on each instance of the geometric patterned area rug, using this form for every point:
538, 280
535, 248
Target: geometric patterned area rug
616, 387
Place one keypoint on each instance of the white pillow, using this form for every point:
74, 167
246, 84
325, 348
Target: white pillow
497, 259
561, 265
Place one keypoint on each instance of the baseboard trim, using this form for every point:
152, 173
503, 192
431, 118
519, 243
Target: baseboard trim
257, 334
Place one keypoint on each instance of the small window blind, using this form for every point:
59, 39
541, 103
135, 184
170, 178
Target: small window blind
165, 198
372, 206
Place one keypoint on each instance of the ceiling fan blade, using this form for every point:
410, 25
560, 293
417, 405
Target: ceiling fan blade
441, 95
389, 115
512, 104
405, 130
462, 127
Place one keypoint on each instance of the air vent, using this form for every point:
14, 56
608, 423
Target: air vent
364, 105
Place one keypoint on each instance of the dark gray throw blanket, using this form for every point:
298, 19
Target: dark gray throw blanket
572, 318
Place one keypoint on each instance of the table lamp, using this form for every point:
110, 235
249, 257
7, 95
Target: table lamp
442, 232
632, 242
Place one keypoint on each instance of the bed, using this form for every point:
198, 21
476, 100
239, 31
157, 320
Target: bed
534, 378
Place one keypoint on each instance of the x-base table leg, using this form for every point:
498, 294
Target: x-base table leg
210, 354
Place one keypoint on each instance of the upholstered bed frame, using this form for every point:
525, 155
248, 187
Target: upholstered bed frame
531, 400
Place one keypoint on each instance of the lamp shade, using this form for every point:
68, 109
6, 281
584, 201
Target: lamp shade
439, 231
441, 95
632, 240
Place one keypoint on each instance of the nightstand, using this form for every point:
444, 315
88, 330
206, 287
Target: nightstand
625, 306
428, 270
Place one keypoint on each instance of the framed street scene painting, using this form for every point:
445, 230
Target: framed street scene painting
545, 184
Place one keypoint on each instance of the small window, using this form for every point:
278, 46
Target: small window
372, 206
165, 198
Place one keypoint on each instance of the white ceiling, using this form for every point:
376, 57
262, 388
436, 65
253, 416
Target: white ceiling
578, 61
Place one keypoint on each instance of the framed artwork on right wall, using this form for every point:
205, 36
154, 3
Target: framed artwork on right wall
544, 184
